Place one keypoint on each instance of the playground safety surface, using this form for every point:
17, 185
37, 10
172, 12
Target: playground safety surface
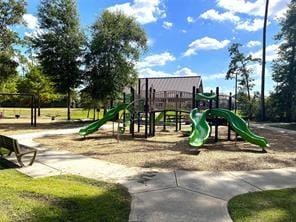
170, 150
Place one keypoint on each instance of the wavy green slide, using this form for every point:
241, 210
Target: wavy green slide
93, 127
201, 128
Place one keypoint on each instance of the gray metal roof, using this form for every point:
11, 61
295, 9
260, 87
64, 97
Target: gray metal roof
184, 83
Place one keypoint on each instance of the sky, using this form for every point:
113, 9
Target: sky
190, 37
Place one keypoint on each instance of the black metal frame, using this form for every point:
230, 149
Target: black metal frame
33, 105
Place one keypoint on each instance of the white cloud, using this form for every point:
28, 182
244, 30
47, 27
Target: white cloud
167, 25
190, 19
30, 21
255, 8
145, 11
148, 72
253, 43
184, 31
271, 52
185, 72
214, 76
214, 15
205, 43
150, 42
251, 26
156, 60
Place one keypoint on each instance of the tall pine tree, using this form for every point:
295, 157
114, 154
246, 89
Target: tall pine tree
11, 13
284, 67
60, 44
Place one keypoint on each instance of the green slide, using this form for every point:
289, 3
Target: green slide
201, 129
159, 117
93, 127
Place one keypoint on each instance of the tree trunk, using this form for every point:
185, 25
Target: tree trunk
88, 110
68, 105
94, 113
263, 63
39, 106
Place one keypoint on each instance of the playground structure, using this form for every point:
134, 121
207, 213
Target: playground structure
201, 128
148, 108
31, 102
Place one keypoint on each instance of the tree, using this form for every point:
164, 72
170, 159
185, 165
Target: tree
240, 69
117, 43
11, 13
284, 67
59, 45
262, 102
35, 82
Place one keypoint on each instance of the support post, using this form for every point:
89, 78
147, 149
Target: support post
146, 108
164, 111
124, 112
176, 113
32, 110
153, 118
35, 112
197, 102
229, 107
132, 114
180, 111
193, 97
216, 118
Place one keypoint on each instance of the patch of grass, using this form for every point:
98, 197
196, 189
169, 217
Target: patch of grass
60, 198
271, 206
60, 113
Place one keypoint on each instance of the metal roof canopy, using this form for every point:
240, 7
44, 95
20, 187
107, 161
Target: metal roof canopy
180, 83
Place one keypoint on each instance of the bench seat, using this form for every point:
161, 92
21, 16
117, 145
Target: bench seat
13, 146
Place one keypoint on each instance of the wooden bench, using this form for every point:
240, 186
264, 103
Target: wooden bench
12, 145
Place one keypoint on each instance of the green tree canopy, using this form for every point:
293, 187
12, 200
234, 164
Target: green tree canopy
117, 43
284, 67
59, 45
35, 82
11, 12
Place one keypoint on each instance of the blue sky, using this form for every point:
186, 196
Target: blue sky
190, 37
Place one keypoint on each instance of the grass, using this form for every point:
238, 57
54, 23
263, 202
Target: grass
60, 113
11, 127
60, 198
271, 206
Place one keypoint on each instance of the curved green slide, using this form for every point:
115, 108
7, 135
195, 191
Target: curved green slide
93, 127
198, 137
200, 127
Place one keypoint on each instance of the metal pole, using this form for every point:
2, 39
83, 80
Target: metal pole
146, 108
124, 112
216, 118
32, 110
35, 112
193, 97
180, 111
176, 113
263, 63
229, 107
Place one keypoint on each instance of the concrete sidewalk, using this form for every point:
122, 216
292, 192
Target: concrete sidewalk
161, 195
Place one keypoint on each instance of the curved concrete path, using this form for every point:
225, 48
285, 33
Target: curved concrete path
161, 195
